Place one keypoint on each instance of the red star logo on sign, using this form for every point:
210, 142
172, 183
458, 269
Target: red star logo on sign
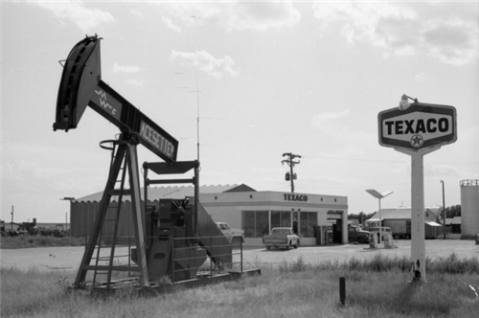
417, 141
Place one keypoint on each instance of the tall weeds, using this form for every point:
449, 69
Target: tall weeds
376, 288
379, 263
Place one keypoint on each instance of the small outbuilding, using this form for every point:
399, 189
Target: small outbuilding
456, 225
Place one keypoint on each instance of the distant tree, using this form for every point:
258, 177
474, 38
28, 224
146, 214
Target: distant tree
361, 216
452, 211
353, 216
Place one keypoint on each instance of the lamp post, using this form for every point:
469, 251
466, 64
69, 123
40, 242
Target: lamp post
379, 196
443, 211
71, 199
11, 223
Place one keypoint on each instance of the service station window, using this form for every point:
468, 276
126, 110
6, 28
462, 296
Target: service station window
255, 223
307, 221
280, 219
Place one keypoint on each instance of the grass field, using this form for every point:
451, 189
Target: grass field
27, 241
374, 288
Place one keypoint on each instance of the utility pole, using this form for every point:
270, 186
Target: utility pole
11, 223
291, 164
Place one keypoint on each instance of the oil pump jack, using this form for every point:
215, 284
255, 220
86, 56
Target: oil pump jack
172, 239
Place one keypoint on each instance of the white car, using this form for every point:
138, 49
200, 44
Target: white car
234, 236
281, 237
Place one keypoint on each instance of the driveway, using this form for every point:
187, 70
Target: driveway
69, 258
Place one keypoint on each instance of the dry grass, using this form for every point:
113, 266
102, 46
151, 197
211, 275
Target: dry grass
291, 290
380, 263
27, 241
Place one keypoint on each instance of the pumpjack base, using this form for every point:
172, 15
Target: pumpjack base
159, 287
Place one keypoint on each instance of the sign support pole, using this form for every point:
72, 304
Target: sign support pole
418, 244
418, 241
416, 130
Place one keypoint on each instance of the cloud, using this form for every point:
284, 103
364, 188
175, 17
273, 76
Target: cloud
319, 121
125, 69
86, 19
137, 13
207, 63
239, 15
342, 128
134, 82
442, 170
420, 77
170, 25
445, 31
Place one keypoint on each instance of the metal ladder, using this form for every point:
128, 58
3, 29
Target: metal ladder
124, 161
109, 226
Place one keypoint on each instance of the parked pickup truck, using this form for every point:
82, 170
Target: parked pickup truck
234, 236
356, 234
281, 237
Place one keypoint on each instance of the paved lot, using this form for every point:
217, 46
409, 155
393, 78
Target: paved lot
342, 253
69, 258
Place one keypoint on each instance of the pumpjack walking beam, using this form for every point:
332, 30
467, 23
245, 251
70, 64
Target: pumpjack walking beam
81, 86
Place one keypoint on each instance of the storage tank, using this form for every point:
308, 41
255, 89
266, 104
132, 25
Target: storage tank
469, 208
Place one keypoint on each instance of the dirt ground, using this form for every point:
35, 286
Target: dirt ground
69, 258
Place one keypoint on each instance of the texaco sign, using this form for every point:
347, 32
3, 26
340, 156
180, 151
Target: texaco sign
419, 126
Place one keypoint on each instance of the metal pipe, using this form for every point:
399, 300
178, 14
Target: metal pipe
241, 251
171, 181
443, 211
197, 197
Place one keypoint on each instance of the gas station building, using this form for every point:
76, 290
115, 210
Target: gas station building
317, 219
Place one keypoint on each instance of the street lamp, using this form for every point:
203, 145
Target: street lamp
404, 103
379, 196
71, 199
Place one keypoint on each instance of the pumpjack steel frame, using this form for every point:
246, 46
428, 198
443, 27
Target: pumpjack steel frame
81, 86
126, 153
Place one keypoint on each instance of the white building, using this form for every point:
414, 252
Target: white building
257, 212
317, 219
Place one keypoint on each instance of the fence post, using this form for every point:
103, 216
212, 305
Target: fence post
342, 290
211, 256
241, 258
173, 259
129, 255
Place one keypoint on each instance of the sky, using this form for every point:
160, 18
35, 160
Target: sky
263, 78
